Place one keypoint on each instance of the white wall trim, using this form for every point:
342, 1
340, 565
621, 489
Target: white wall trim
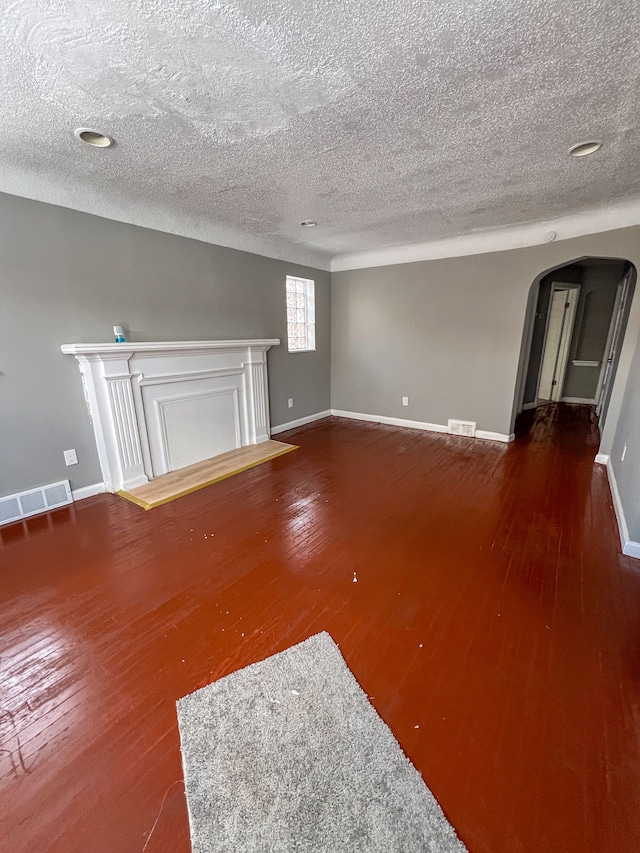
582, 400
23, 183
495, 436
300, 422
383, 419
632, 549
621, 215
527, 406
423, 425
88, 491
629, 547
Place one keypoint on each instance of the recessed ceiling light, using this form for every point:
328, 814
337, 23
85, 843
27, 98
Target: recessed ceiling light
308, 223
584, 148
93, 137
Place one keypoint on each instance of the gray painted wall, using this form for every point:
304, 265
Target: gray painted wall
627, 435
69, 277
448, 333
440, 332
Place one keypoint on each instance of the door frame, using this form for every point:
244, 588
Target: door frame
566, 336
615, 335
525, 348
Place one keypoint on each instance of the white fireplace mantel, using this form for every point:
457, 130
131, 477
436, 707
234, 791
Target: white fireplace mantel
159, 406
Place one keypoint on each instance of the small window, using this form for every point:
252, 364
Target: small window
301, 314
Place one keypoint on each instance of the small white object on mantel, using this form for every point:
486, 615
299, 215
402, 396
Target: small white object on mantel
159, 406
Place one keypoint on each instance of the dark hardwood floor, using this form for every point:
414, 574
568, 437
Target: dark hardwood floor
493, 609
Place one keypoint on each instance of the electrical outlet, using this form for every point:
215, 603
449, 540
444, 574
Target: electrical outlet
405, 401
290, 402
624, 453
70, 457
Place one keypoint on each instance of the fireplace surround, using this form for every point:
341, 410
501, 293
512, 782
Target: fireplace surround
156, 407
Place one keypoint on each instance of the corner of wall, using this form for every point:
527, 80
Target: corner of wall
629, 547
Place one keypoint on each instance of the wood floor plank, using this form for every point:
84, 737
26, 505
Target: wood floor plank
494, 624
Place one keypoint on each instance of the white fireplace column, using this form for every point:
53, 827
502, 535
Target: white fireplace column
156, 407
109, 393
257, 398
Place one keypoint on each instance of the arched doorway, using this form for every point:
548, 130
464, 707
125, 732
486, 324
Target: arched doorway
574, 327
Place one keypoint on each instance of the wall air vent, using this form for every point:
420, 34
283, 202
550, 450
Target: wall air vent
467, 428
34, 501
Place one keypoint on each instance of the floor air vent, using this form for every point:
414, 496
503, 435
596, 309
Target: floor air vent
24, 504
467, 428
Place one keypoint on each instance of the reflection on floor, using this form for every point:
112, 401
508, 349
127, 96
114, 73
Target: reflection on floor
495, 626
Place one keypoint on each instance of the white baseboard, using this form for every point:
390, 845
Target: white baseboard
88, 491
383, 419
495, 436
581, 400
423, 425
300, 422
527, 406
632, 549
629, 547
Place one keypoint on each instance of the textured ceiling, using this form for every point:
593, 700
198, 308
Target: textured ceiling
387, 121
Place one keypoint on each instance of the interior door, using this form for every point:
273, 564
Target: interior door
562, 314
557, 312
614, 340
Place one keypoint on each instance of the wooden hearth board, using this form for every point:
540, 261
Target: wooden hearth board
176, 484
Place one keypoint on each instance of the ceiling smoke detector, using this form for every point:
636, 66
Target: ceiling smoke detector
93, 137
308, 223
584, 148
